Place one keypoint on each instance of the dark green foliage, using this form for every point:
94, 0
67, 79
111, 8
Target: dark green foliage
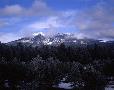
26, 67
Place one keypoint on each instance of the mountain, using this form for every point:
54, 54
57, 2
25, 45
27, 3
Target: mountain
39, 39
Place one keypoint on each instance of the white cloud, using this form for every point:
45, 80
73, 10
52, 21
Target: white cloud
96, 22
49, 25
6, 37
38, 8
50, 22
3, 24
14, 9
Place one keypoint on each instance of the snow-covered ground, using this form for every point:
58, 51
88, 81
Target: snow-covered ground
65, 85
109, 87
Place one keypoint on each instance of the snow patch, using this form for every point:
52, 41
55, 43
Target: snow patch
24, 41
109, 88
49, 43
6, 84
103, 41
75, 41
65, 85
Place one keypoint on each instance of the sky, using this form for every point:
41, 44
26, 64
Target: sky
84, 18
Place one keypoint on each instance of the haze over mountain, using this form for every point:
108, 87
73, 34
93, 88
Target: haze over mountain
40, 39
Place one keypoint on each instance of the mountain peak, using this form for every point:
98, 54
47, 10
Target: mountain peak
40, 38
38, 33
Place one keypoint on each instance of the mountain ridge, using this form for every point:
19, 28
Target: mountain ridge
39, 39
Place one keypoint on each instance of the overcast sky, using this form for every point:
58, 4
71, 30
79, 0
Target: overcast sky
84, 18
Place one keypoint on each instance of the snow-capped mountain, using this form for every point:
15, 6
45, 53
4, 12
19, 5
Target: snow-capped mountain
39, 39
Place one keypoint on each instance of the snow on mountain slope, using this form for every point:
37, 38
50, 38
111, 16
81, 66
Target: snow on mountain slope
66, 38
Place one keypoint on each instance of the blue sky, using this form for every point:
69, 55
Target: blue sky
84, 18
56, 4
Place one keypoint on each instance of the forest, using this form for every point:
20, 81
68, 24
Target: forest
43, 67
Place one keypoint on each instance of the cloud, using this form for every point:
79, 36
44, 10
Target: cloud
38, 8
6, 37
3, 24
96, 22
48, 25
50, 22
5, 21
14, 9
